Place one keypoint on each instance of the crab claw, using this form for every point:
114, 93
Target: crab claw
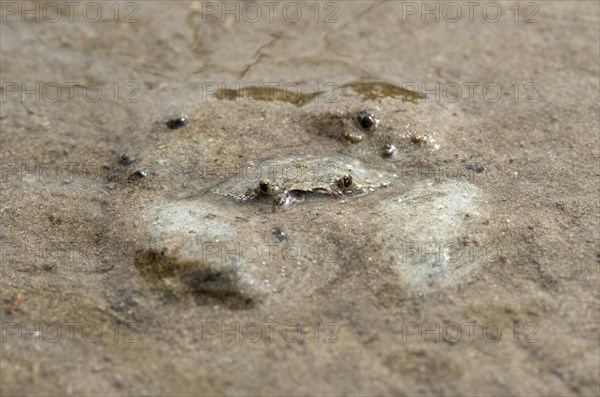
284, 200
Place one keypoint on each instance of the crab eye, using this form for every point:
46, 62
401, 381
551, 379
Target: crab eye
345, 182
264, 186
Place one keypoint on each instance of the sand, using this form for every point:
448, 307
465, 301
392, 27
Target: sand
464, 262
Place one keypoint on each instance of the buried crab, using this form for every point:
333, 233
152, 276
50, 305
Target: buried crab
285, 196
290, 180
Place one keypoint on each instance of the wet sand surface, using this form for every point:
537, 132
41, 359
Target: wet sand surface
462, 257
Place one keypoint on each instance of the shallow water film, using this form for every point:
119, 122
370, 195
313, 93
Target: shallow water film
299, 198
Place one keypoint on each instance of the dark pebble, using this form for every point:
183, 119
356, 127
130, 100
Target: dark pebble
388, 150
177, 123
280, 234
126, 159
367, 120
478, 168
137, 175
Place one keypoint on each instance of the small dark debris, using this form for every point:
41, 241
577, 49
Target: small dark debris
177, 123
124, 306
367, 120
280, 234
353, 137
211, 277
54, 218
388, 150
417, 139
15, 305
126, 159
137, 175
104, 267
478, 168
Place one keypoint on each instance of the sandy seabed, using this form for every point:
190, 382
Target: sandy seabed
462, 259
